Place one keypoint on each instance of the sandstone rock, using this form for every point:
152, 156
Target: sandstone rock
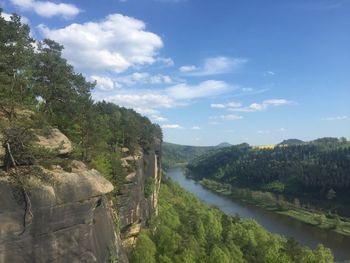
55, 140
72, 219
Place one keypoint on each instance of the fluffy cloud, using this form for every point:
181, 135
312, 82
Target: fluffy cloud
149, 102
217, 105
214, 66
143, 78
145, 100
47, 8
172, 126
196, 128
114, 44
336, 118
204, 89
103, 83
261, 106
227, 105
190, 68
7, 17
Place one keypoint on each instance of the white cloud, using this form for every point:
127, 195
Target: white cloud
143, 78
149, 102
145, 100
171, 126
228, 117
103, 83
204, 89
7, 17
261, 106
217, 105
214, 66
190, 68
231, 117
234, 104
47, 8
231, 104
159, 79
196, 128
115, 44
158, 118
336, 118
166, 61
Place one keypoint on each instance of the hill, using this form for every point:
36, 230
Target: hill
291, 142
315, 167
174, 154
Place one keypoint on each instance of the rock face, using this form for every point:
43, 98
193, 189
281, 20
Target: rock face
55, 140
135, 208
72, 220
72, 217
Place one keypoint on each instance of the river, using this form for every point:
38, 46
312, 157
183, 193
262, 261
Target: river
276, 223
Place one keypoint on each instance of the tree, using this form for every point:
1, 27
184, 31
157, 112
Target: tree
16, 54
145, 250
218, 256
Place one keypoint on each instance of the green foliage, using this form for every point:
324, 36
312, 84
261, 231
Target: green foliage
275, 186
40, 90
186, 230
320, 167
174, 154
145, 249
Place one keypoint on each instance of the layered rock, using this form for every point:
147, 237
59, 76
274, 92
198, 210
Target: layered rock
72, 219
135, 208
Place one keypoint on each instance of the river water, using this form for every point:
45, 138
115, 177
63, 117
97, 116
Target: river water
276, 223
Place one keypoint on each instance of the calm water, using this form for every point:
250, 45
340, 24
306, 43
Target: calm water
276, 223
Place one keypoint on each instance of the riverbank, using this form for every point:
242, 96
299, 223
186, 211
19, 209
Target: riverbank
278, 204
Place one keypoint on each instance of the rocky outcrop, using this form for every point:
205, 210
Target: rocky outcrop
72, 219
55, 141
134, 206
52, 140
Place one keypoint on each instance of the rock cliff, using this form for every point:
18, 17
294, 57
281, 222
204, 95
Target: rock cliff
139, 195
72, 217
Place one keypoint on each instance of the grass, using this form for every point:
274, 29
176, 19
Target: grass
269, 202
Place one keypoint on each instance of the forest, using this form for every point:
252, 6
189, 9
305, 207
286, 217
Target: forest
320, 167
187, 230
40, 90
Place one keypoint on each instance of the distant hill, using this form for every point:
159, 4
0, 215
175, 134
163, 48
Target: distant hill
291, 142
223, 145
178, 154
315, 167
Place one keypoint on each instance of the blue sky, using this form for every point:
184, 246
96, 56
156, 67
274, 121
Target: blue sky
211, 71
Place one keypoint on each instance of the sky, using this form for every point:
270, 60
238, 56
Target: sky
210, 71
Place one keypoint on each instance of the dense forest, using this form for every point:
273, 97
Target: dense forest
186, 230
320, 167
174, 154
39, 90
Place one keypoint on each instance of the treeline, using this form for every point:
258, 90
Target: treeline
39, 90
174, 154
321, 167
188, 231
